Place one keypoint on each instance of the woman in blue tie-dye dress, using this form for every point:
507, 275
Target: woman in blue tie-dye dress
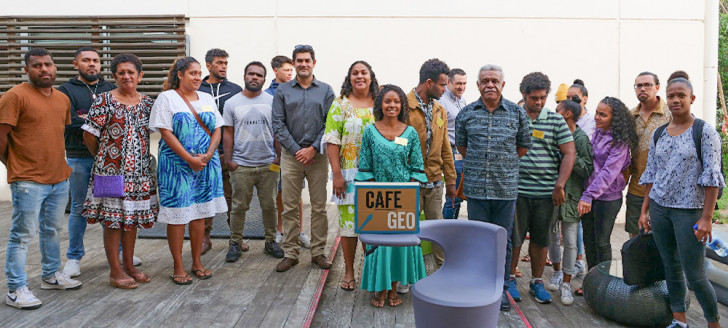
189, 172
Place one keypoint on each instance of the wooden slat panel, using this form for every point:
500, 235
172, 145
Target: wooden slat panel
157, 40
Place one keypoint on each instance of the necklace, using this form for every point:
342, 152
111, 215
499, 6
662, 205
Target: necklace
93, 93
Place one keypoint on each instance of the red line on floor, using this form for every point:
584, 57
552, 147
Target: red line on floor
320, 288
518, 310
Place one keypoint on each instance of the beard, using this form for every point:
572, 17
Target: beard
253, 88
89, 77
44, 84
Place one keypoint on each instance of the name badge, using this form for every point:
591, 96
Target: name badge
440, 122
400, 141
206, 108
275, 168
538, 134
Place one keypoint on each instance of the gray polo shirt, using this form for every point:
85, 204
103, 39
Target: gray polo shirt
299, 115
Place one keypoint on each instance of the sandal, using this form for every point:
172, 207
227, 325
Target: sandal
123, 284
378, 300
202, 274
181, 280
549, 263
579, 292
140, 277
394, 301
526, 259
347, 285
518, 273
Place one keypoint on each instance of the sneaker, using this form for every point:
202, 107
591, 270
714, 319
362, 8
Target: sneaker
566, 297
513, 290
233, 253
505, 303
303, 240
403, 289
22, 298
271, 248
60, 281
580, 266
555, 281
677, 324
135, 260
279, 237
537, 290
72, 268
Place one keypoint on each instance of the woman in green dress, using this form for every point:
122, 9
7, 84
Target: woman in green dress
390, 152
350, 113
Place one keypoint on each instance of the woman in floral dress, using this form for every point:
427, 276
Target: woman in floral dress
348, 116
116, 133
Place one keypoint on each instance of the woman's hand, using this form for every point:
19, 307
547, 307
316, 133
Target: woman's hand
339, 185
196, 163
705, 229
583, 207
644, 222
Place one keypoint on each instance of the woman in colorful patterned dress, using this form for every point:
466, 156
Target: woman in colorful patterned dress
189, 172
116, 133
390, 152
348, 116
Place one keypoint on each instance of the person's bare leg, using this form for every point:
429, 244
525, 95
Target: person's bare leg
392, 296
557, 266
567, 278
128, 244
111, 246
197, 231
348, 247
175, 239
515, 257
538, 259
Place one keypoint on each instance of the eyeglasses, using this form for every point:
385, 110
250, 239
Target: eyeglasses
304, 47
643, 85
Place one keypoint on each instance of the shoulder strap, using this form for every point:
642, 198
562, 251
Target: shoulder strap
658, 133
197, 117
698, 137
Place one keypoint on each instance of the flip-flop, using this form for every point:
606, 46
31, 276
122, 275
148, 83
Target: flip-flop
526, 259
579, 292
124, 284
202, 274
347, 285
187, 280
392, 301
140, 277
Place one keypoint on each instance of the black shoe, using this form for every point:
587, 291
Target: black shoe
272, 249
505, 303
233, 253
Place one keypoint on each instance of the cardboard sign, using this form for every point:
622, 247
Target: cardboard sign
383, 207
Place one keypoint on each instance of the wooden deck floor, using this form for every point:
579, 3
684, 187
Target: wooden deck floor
248, 293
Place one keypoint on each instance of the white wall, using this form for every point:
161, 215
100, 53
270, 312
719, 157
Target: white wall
604, 43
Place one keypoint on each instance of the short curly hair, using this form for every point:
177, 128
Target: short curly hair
623, 129
347, 88
432, 69
535, 81
215, 52
403, 113
126, 58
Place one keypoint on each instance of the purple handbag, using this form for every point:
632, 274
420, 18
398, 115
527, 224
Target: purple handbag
108, 185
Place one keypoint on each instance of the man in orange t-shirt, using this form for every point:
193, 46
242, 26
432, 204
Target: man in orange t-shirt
33, 117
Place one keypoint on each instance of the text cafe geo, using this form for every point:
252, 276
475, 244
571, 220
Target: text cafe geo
384, 207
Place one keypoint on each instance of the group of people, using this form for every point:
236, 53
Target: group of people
557, 176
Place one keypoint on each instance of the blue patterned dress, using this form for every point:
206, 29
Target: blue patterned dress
183, 194
386, 161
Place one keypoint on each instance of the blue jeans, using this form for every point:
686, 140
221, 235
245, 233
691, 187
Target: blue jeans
76, 223
35, 206
499, 212
449, 211
681, 252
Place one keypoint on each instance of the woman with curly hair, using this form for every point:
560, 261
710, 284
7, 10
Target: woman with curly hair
350, 113
613, 139
390, 152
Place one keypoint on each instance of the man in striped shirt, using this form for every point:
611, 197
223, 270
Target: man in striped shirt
542, 177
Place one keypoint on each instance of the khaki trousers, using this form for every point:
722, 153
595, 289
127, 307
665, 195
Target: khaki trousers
317, 175
265, 181
227, 190
431, 203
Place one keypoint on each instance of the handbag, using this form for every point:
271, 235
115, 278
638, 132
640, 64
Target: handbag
641, 261
194, 112
108, 185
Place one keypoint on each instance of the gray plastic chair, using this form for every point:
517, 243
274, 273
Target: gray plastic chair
467, 290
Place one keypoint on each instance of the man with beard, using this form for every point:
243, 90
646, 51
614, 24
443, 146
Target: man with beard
217, 85
82, 90
33, 117
253, 160
429, 118
300, 107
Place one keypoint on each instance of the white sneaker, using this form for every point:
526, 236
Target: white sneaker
580, 266
23, 298
566, 297
279, 237
555, 281
72, 268
136, 261
60, 281
303, 240
403, 289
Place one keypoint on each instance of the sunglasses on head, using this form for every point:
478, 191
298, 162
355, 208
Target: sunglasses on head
303, 47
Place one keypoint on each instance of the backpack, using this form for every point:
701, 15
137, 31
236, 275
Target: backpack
698, 140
